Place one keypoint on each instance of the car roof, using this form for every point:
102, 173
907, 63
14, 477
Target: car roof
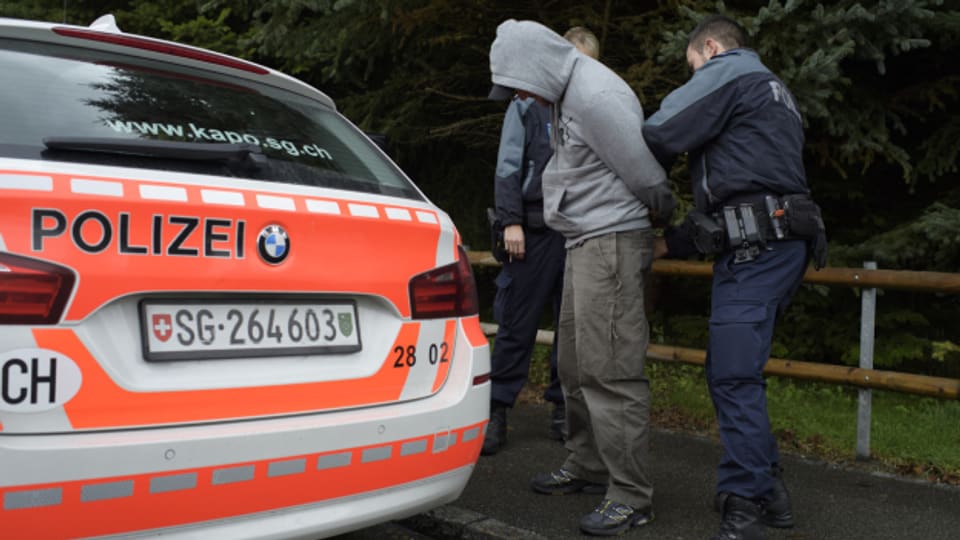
104, 35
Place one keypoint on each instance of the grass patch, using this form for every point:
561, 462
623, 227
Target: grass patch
910, 435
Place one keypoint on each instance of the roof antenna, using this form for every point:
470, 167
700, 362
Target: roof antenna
106, 23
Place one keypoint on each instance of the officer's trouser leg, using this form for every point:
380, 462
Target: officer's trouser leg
745, 301
554, 391
524, 288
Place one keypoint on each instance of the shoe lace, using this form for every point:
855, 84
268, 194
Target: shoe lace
563, 476
613, 510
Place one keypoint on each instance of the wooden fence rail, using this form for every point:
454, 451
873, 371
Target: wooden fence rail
850, 277
907, 383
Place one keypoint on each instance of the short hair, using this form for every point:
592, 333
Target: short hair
584, 40
723, 29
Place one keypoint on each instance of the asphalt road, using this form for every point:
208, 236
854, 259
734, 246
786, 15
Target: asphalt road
829, 502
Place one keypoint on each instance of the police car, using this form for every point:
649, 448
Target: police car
224, 312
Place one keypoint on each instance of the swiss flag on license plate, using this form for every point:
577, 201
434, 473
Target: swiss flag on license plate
162, 325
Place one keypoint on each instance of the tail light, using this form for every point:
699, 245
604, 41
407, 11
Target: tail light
448, 291
32, 292
162, 47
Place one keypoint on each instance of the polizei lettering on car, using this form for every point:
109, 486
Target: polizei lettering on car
92, 231
224, 312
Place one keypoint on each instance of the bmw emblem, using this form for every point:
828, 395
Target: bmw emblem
273, 244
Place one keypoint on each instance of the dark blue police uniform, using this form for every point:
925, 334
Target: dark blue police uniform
525, 287
744, 136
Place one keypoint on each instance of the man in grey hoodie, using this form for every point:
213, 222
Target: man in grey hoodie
603, 190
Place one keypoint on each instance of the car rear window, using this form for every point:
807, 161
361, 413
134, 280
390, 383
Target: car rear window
57, 91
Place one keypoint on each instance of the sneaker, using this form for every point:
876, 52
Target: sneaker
562, 482
741, 520
496, 435
558, 422
613, 518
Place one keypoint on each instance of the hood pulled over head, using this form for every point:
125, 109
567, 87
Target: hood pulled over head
529, 56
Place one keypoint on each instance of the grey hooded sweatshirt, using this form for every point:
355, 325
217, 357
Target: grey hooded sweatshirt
602, 178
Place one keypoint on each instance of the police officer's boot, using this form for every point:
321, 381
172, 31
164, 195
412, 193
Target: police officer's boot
777, 510
496, 435
741, 520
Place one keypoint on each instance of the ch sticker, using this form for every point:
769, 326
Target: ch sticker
34, 380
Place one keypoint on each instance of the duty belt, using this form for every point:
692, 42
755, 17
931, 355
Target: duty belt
746, 223
750, 222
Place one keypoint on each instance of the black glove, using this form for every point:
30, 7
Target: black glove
679, 242
661, 203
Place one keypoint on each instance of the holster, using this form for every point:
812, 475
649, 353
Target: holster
707, 235
805, 220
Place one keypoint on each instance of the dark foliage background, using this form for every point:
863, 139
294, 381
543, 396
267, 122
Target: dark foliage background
877, 83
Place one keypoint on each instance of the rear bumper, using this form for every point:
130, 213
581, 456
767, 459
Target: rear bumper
297, 476
329, 518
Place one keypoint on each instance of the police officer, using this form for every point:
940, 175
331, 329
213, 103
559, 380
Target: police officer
532, 274
744, 135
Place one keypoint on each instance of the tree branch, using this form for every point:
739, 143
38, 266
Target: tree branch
456, 97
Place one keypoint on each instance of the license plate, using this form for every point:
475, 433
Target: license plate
175, 330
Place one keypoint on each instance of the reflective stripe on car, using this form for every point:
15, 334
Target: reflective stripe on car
156, 230
150, 191
102, 403
102, 506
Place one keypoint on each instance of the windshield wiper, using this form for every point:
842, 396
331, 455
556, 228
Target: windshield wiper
252, 153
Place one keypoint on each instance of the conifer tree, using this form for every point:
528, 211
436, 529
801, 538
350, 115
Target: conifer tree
876, 82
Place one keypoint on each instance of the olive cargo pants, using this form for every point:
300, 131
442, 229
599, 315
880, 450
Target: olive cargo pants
603, 336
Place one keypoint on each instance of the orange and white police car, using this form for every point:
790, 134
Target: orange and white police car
224, 312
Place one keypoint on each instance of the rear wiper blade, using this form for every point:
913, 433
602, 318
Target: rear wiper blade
160, 149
